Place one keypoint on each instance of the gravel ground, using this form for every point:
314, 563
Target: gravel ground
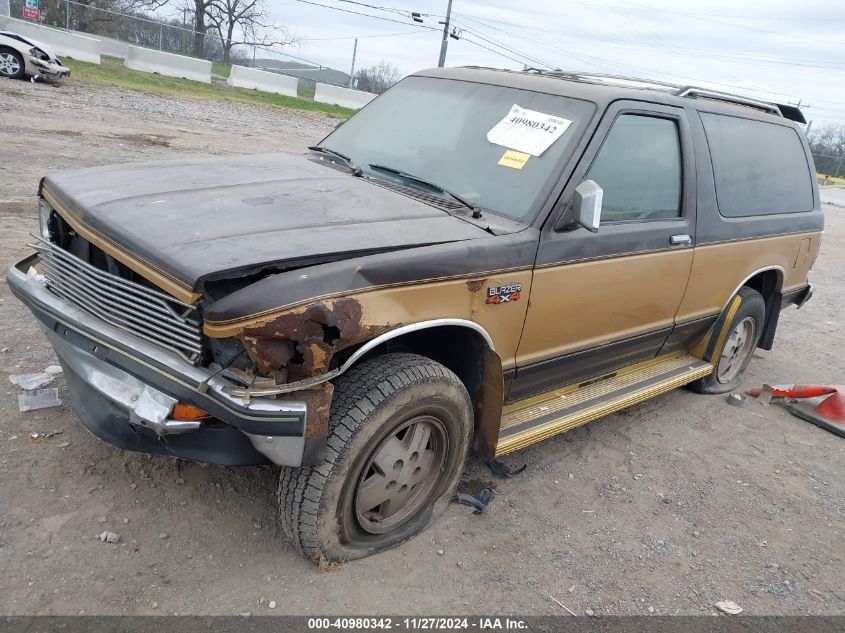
667, 507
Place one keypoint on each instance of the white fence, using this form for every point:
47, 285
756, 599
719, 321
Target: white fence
64, 44
242, 77
345, 97
150, 61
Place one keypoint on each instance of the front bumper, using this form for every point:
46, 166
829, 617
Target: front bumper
47, 70
123, 388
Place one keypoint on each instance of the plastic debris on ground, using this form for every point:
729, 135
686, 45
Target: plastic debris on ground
479, 502
39, 399
109, 537
729, 607
34, 397
502, 470
32, 381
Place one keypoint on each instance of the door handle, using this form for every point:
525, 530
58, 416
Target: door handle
680, 240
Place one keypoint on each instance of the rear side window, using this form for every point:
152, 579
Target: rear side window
760, 168
639, 169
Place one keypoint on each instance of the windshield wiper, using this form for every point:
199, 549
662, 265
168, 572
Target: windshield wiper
404, 174
356, 171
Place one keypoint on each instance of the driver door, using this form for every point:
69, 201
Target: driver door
601, 301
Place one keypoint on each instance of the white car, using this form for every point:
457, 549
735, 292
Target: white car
21, 56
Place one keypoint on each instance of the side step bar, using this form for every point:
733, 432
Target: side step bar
540, 417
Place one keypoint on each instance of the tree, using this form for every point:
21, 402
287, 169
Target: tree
827, 143
377, 78
248, 20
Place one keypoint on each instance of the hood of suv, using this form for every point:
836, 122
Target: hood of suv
231, 216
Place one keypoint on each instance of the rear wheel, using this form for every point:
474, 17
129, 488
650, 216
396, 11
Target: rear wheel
399, 433
11, 63
740, 340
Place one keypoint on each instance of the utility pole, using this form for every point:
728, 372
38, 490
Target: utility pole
808, 128
445, 43
352, 70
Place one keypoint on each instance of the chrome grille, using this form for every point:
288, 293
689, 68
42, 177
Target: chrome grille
149, 314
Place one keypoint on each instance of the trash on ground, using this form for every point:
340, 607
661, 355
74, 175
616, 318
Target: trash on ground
502, 470
32, 381
39, 399
560, 604
729, 607
736, 400
828, 414
479, 502
109, 537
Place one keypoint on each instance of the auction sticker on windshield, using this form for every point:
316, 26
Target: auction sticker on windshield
528, 131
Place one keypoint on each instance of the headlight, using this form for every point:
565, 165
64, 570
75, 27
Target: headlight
45, 213
39, 54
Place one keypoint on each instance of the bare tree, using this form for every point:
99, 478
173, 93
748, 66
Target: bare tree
244, 22
377, 78
827, 143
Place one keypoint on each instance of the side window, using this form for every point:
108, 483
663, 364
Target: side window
760, 168
639, 168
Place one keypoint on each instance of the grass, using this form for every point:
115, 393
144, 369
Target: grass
219, 68
112, 72
305, 90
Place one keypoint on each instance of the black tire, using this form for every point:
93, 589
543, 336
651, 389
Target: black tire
18, 59
752, 309
372, 402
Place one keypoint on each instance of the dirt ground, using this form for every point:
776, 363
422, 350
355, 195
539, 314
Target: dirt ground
667, 507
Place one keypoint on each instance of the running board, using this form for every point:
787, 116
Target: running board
540, 417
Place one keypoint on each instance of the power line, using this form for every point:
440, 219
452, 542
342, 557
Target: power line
368, 15
382, 8
604, 61
731, 24
358, 37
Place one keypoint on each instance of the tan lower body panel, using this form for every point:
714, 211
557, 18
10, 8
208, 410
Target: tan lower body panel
540, 417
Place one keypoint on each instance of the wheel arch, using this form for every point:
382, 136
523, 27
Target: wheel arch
769, 283
465, 348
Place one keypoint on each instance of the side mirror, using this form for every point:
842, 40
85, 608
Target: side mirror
587, 205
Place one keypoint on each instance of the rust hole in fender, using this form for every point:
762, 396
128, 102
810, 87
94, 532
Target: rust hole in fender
302, 344
474, 285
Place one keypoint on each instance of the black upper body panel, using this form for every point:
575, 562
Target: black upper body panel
233, 215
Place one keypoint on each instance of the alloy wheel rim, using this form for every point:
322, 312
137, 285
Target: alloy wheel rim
9, 64
736, 350
401, 474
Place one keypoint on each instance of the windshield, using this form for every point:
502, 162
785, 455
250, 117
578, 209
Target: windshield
496, 147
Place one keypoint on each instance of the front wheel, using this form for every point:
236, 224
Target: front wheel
399, 432
739, 339
11, 63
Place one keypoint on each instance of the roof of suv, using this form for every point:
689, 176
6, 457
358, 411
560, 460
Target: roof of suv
602, 89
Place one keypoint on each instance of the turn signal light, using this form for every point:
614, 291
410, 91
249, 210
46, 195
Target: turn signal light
184, 411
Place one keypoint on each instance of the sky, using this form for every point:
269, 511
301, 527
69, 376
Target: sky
779, 50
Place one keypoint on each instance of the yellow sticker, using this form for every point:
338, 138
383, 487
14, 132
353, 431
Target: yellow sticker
514, 160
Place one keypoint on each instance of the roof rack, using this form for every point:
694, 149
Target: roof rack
680, 91
787, 111
704, 93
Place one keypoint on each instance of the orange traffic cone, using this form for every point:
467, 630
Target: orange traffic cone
828, 414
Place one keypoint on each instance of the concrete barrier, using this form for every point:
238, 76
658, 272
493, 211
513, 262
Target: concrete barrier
243, 77
150, 61
64, 44
108, 45
335, 95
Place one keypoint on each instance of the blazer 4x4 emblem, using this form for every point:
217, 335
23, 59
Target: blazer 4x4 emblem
504, 294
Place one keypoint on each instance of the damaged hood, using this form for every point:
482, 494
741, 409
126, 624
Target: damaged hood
231, 216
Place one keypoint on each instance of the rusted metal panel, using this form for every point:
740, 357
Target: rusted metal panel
301, 344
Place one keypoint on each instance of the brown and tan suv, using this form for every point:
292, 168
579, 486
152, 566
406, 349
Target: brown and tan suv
477, 259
